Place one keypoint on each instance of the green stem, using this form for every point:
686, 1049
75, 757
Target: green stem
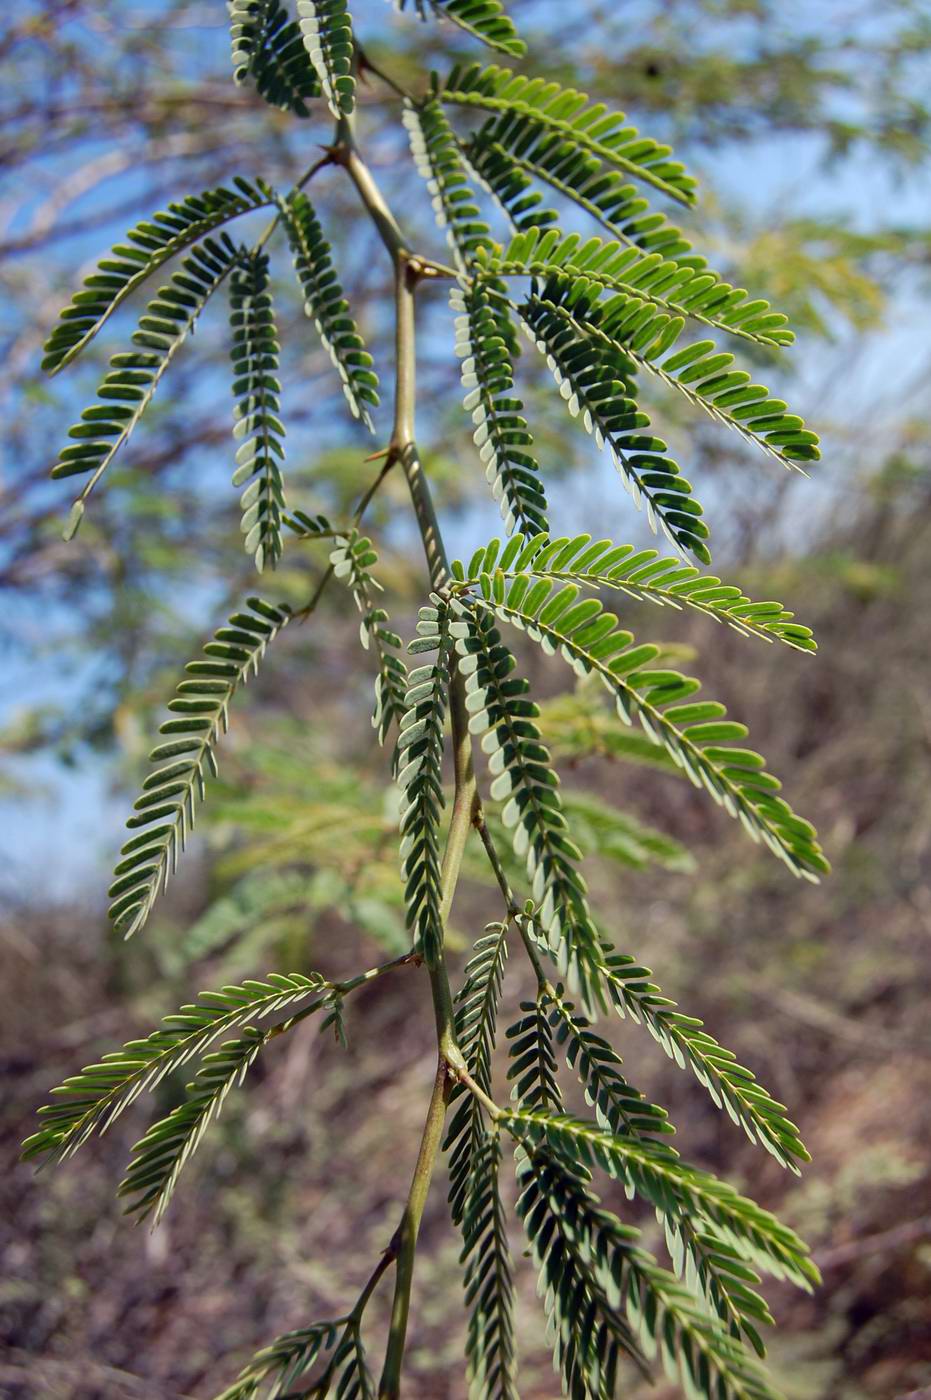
390, 1384
495, 1111
408, 272
494, 860
353, 1319
365, 65
302, 180
543, 982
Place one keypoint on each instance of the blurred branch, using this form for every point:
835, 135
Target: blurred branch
883, 1243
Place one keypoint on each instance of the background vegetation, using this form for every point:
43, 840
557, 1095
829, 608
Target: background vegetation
809, 125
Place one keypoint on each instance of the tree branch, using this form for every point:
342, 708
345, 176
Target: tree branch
408, 271
390, 1384
360, 510
520, 917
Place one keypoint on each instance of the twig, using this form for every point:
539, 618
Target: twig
352, 1320
520, 917
510, 902
880, 1243
365, 65
405, 960
360, 510
390, 1384
464, 1077
302, 180
340, 989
